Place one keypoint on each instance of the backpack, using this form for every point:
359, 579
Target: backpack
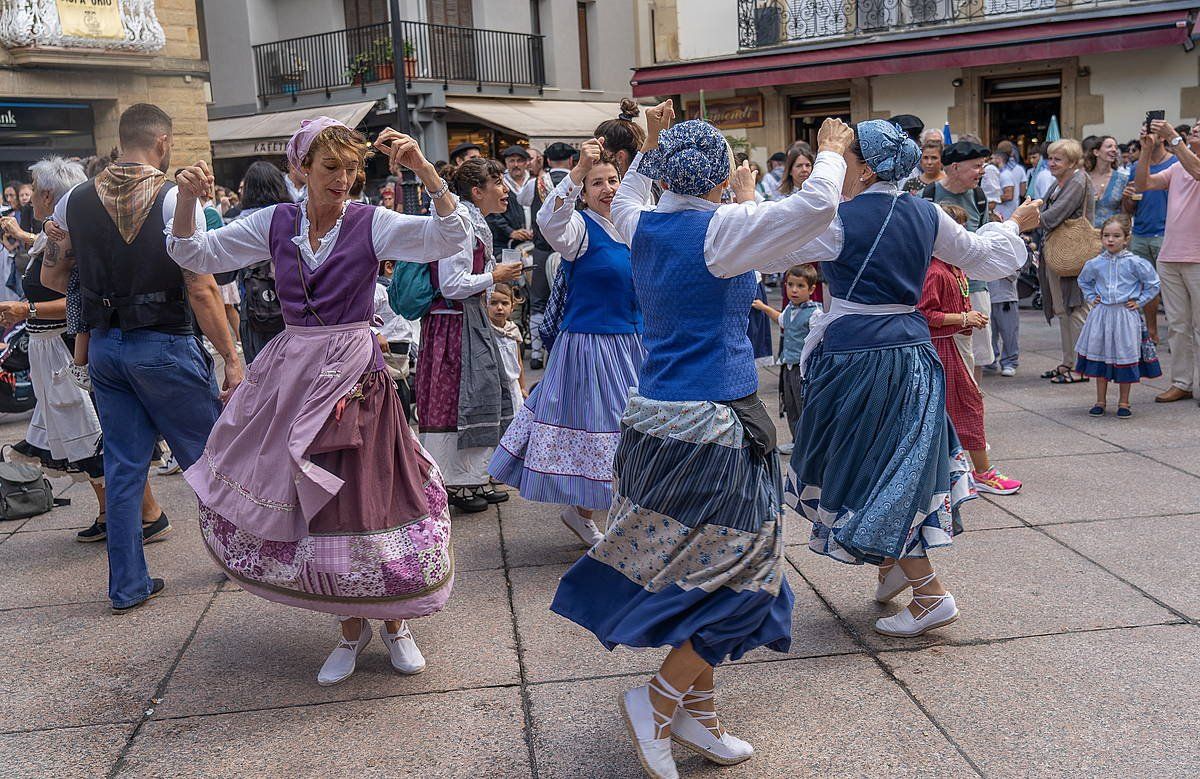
24, 491
981, 202
263, 310
411, 292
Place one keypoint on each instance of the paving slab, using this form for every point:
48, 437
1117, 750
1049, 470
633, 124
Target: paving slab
82, 665
1166, 569
80, 571
556, 648
1114, 703
1062, 401
1025, 434
62, 752
1101, 486
462, 734
1006, 583
1185, 458
534, 533
827, 717
250, 653
987, 512
1153, 425
476, 540
994, 405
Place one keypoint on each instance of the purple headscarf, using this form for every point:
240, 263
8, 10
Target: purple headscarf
298, 145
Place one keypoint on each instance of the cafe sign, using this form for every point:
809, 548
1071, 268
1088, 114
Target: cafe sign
730, 113
95, 19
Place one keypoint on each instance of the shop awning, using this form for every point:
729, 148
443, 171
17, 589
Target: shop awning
1016, 40
252, 136
542, 121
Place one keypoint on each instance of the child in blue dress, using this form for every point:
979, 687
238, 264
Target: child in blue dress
1114, 344
799, 283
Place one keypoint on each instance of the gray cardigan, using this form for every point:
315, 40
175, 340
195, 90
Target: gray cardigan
1063, 202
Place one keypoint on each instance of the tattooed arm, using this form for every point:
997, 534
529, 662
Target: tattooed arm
57, 260
206, 303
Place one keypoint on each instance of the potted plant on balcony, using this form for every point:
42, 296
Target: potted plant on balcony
385, 59
357, 68
410, 61
291, 75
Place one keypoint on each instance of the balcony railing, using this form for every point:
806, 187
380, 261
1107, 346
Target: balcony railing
430, 52
763, 23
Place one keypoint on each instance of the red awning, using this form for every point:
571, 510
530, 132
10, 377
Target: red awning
1045, 39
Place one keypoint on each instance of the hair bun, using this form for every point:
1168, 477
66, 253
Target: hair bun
629, 109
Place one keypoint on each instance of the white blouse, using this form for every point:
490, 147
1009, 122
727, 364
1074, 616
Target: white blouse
246, 241
563, 227
743, 236
994, 252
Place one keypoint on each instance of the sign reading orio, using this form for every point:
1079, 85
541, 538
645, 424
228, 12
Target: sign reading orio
730, 113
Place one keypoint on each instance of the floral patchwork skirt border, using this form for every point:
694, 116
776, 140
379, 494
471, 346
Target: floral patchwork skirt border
694, 545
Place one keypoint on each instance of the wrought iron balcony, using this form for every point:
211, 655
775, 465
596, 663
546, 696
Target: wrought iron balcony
359, 56
764, 23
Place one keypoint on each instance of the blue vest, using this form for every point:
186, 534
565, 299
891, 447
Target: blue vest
695, 339
600, 297
894, 275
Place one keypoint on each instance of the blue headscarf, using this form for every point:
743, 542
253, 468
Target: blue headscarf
887, 150
692, 158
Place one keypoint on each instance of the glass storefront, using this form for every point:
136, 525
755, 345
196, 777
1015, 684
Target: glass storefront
31, 130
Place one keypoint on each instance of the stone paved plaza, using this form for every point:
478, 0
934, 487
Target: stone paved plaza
1075, 654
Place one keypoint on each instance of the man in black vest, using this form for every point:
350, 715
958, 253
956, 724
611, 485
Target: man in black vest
558, 159
148, 370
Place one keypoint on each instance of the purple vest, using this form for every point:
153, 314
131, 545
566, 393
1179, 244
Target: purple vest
342, 288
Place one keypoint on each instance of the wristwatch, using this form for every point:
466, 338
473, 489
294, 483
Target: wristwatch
32, 310
1178, 139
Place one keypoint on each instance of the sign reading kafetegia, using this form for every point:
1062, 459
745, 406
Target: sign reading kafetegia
90, 19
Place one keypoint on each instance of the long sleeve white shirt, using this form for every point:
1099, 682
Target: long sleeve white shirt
994, 252
247, 241
747, 236
563, 227
168, 209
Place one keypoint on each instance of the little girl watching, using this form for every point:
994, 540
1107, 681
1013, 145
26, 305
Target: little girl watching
508, 339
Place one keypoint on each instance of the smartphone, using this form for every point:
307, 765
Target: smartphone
1153, 115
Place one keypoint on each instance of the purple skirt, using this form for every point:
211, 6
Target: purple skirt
560, 447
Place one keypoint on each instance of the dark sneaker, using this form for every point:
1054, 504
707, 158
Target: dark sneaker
492, 495
156, 530
97, 532
536, 364
468, 502
156, 586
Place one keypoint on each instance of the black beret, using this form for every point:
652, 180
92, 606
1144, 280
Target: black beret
911, 125
559, 151
514, 151
961, 151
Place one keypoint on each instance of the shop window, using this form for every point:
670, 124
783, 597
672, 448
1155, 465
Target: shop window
807, 112
1018, 108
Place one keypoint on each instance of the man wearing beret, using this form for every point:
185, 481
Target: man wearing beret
512, 227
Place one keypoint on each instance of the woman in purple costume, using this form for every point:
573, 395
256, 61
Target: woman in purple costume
313, 490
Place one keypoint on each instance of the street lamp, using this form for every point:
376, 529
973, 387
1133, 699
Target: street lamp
408, 182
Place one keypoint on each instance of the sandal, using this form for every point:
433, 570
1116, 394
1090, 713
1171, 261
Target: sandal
1050, 374
1097, 410
1068, 377
1124, 411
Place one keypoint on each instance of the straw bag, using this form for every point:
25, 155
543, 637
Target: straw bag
1069, 246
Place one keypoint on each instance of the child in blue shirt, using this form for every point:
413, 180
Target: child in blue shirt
799, 283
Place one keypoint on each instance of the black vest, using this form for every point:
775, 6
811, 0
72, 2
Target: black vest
539, 242
130, 286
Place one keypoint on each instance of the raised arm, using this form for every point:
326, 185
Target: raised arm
1187, 158
409, 238
240, 243
995, 251
562, 226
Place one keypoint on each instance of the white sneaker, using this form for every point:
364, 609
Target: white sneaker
687, 730
1008, 371
170, 467
935, 611
645, 725
341, 661
581, 526
893, 583
406, 657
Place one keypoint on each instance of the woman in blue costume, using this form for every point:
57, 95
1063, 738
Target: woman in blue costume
693, 555
881, 474
560, 446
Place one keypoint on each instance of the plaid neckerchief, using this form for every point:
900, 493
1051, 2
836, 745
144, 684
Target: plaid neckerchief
127, 192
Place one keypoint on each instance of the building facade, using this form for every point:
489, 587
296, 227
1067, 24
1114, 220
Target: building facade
999, 69
493, 72
66, 76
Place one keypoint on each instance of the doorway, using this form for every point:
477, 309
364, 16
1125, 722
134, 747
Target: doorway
807, 112
1018, 109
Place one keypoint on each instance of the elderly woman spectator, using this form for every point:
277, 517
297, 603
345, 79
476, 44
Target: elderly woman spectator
1069, 197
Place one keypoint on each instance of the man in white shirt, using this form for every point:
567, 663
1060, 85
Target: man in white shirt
297, 183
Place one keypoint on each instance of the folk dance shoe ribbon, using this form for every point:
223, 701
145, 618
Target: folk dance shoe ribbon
406, 657
688, 729
581, 526
892, 584
341, 661
647, 727
934, 611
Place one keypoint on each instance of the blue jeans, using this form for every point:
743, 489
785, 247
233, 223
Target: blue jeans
146, 382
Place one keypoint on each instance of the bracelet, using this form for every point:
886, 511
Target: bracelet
441, 193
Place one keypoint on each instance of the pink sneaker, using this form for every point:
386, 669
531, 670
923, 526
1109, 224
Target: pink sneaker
995, 482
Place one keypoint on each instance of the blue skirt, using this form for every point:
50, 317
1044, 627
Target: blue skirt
694, 546
560, 446
880, 473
